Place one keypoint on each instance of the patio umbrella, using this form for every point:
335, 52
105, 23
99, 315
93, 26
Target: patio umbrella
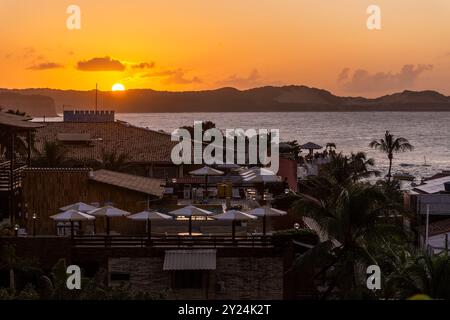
234, 215
108, 212
79, 206
206, 171
266, 212
149, 216
259, 175
311, 146
228, 166
71, 216
191, 211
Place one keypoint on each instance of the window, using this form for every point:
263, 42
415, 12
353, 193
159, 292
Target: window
120, 276
187, 279
165, 172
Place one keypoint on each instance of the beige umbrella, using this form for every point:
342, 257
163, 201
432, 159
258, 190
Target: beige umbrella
71, 216
108, 212
206, 171
191, 211
149, 216
234, 215
79, 206
266, 212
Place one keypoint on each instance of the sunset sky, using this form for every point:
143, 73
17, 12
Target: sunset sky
198, 44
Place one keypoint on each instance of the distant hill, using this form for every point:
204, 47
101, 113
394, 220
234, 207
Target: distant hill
264, 99
32, 104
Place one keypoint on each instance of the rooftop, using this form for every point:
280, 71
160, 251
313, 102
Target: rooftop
139, 144
131, 182
433, 185
17, 122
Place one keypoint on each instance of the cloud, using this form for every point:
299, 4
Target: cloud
177, 76
253, 79
143, 65
363, 81
101, 64
344, 74
46, 66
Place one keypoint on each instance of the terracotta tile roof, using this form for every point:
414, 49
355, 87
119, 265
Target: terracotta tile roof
435, 228
136, 183
139, 144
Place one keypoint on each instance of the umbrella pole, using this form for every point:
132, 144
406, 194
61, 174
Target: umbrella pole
107, 226
264, 225
206, 187
71, 229
149, 229
233, 230
190, 225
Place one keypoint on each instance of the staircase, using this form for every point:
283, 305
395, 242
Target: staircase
10, 181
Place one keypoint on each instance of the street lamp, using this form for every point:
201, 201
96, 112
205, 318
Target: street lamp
16, 230
34, 224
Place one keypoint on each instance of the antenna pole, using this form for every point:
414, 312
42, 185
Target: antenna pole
96, 95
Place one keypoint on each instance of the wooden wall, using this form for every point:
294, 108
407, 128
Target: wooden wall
47, 190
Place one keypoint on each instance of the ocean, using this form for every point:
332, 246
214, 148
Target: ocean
429, 132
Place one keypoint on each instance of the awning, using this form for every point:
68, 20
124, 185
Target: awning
190, 260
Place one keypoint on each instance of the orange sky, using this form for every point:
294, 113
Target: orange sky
199, 44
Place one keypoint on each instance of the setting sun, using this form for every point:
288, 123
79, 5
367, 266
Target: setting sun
118, 87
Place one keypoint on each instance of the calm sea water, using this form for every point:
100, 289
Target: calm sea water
429, 132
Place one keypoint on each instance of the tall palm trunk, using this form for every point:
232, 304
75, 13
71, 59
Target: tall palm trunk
389, 175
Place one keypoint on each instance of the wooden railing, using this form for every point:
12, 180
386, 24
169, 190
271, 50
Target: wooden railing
173, 241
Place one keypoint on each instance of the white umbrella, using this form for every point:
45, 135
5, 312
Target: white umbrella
259, 175
191, 211
266, 212
71, 216
149, 216
206, 171
79, 206
234, 215
108, 212
228, 166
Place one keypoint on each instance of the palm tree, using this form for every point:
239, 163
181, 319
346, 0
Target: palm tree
421, 274
348, 219
52, 156
113, 161
390, 145
346, 169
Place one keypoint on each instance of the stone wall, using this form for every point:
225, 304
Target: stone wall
234, 278
250, 277
146, 274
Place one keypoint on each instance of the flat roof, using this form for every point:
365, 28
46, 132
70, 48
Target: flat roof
433, 186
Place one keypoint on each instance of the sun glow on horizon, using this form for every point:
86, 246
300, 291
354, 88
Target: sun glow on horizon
118, 87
